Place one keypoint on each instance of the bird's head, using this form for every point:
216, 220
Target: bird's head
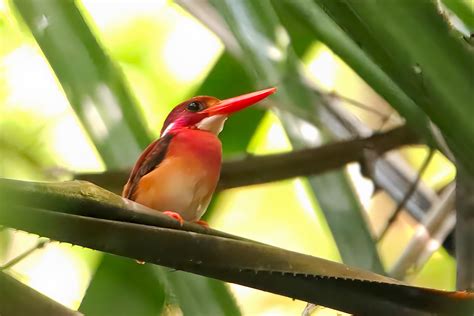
209, 113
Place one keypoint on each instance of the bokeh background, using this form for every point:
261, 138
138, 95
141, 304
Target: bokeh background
166, 55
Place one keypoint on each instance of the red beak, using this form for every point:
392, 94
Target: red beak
229, 106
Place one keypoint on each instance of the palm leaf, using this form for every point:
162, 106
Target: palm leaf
91, 81
122, 280
19, 299
37, 208
441, 89
96, 90
295, 97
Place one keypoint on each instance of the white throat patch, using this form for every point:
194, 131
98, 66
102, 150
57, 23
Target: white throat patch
213, 124
170, 126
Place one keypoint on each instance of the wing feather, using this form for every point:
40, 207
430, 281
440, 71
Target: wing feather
148, 160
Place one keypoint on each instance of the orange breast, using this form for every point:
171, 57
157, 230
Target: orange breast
186, 179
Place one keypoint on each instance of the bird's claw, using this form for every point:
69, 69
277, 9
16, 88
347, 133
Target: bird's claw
175, 215
202, 223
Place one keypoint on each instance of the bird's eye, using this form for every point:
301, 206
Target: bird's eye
194, 107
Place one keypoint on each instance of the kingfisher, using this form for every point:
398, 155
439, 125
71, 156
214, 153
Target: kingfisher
177, 174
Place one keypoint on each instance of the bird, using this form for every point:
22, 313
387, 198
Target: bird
177, 174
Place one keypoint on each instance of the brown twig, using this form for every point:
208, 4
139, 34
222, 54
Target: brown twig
40, 244
408, 194
262, 169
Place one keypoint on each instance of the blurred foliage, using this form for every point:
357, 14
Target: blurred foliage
335, 24
419, 69
92, 83
197, 295
155, 54
295, 98
108, 294
22, 140
464, 10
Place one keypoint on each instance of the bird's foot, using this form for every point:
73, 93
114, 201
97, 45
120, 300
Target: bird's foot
175, 215
202, 223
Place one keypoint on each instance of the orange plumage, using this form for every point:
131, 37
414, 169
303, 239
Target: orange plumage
187, 177
178, 173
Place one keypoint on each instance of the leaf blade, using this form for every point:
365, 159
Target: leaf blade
253, 24
92, 83
127, 286
421, 69
247, 263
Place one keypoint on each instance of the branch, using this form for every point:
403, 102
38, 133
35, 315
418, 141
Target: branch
39, 244
83, 214
268, 168
311, 161
391, 173
401, 205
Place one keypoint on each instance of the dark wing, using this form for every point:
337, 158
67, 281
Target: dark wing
149, 160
